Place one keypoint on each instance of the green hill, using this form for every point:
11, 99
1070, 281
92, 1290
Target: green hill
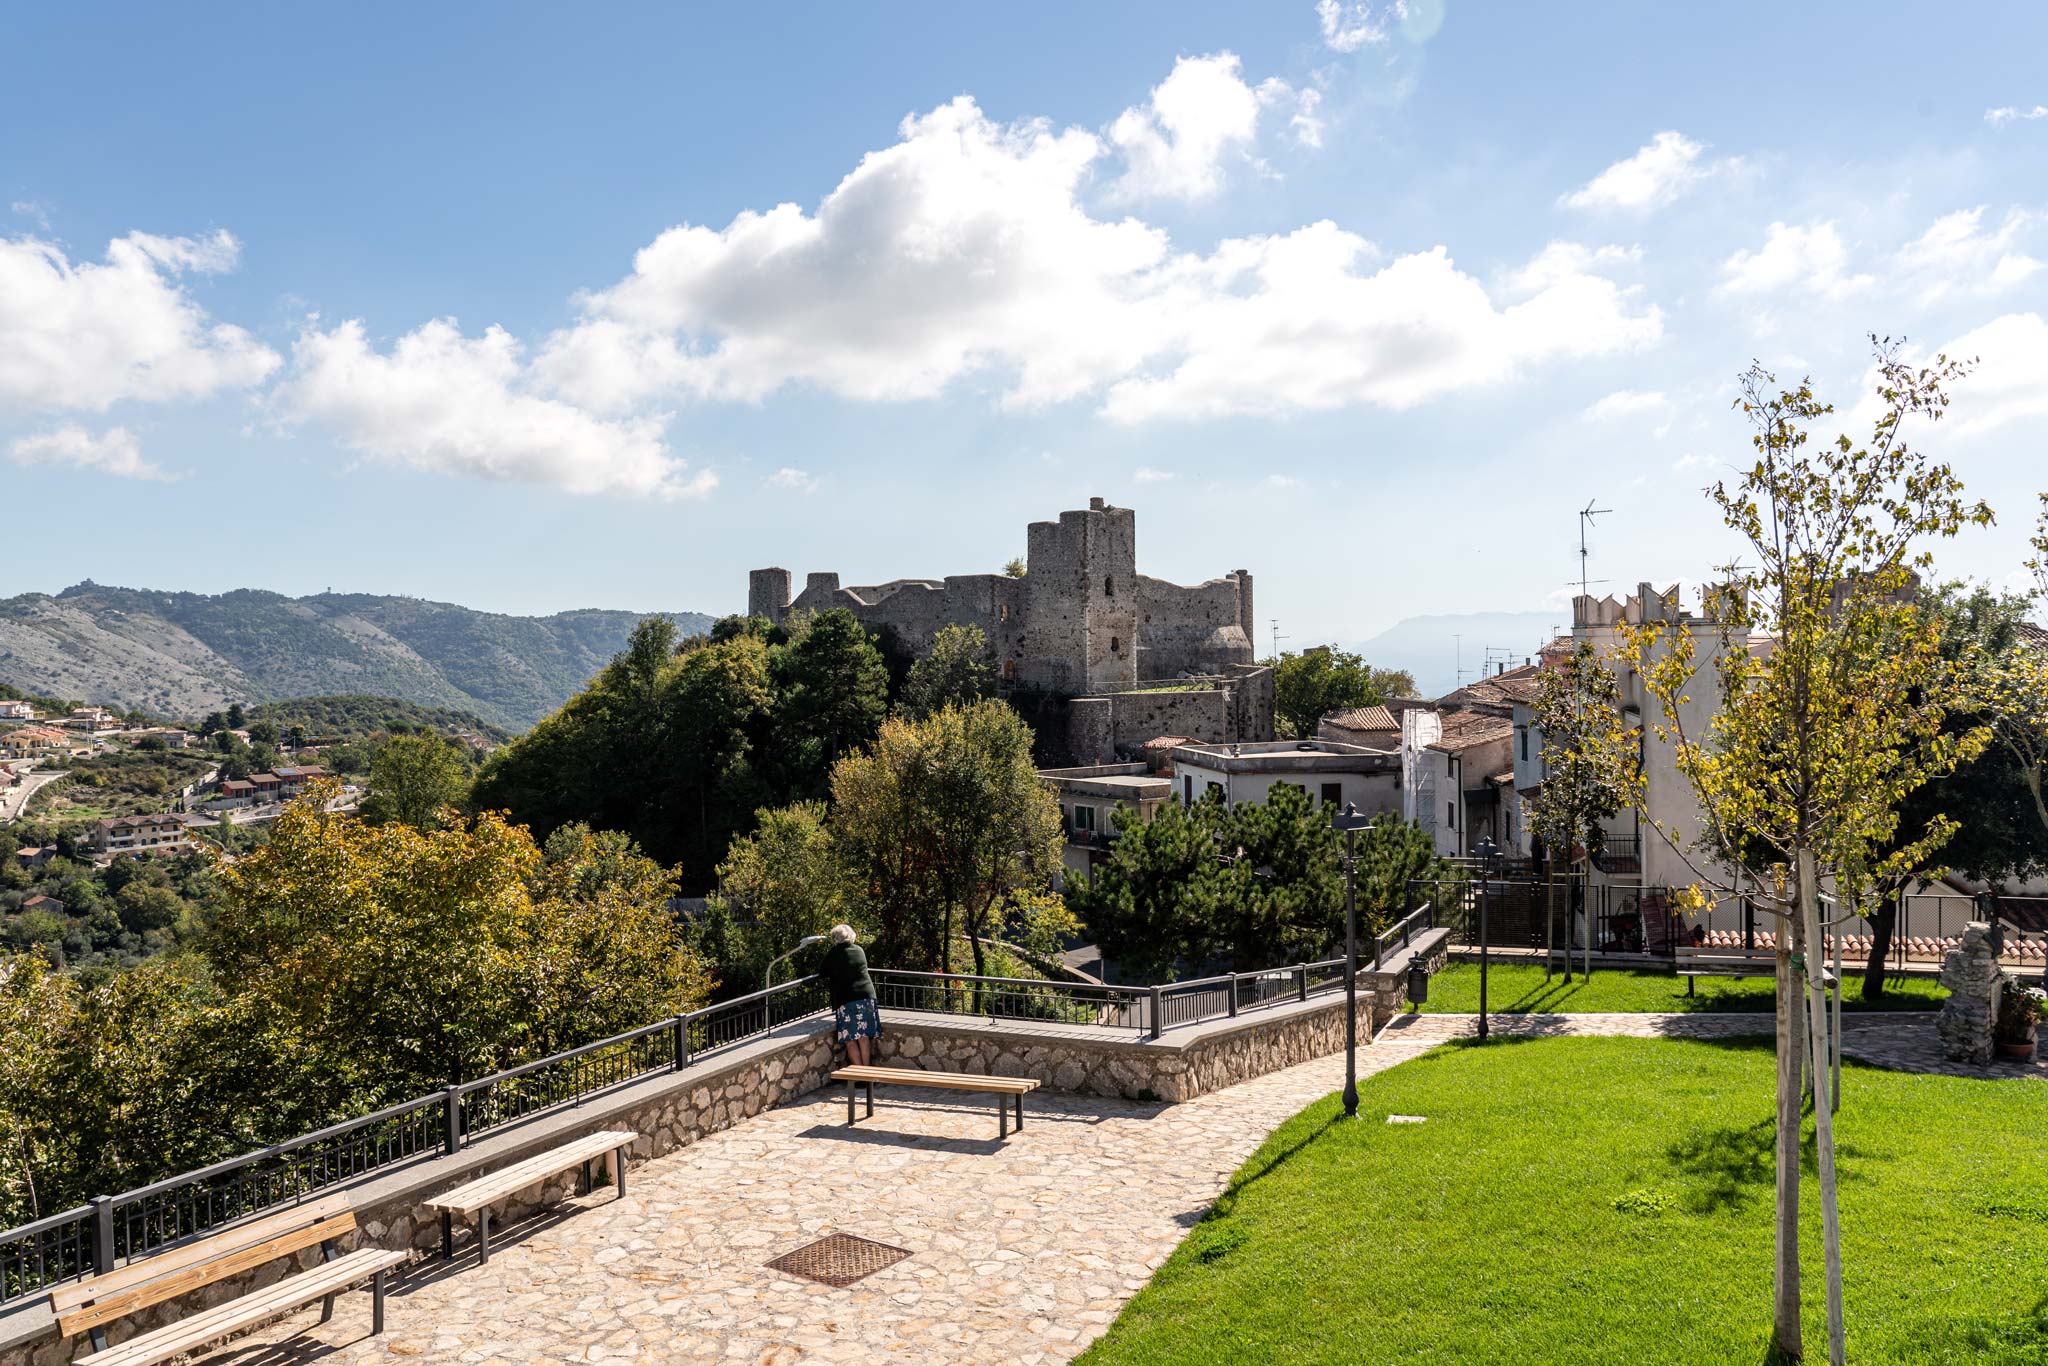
185, 654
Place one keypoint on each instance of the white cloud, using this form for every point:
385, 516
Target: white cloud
2009, 113
1626, 403
793, 479
1301, 104
1144, 474
451, 404
115, 451
1659, 172
1199, 116
1957, 253
1564, 260
1353, 24
2010, 381
964, 250
1688, 463
1811, 259
86, 335
1291, 323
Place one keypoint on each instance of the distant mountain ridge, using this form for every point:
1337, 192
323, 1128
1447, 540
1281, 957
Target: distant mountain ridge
184, 654
1435, 648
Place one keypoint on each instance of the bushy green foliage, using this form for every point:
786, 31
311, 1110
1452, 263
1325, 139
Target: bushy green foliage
1310, 685
349, 966
363, 716
112, 917
116, 782
955, 673
680, 743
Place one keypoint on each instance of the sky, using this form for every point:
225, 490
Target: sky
533, 307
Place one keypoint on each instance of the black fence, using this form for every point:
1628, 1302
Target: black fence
92, 1238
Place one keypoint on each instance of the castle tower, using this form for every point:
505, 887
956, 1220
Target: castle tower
768, 594
1081, 596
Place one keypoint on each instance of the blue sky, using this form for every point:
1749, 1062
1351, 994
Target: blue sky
495, 304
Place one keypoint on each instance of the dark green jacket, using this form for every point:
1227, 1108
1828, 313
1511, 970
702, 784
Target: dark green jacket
845, 970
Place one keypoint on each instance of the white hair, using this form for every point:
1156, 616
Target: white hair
842, 934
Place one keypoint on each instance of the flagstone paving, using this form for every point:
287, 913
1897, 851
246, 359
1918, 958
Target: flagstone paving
1020, 1252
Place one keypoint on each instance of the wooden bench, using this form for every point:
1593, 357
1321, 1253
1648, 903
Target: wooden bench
476, 1197
89, 1306
1695, 961
1002, 1087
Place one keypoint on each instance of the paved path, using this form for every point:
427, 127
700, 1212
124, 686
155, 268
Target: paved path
1019, 1253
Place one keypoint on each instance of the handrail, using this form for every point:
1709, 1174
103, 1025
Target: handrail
289, 1145
1404, 927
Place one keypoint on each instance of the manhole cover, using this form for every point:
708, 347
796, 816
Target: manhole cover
839, 1259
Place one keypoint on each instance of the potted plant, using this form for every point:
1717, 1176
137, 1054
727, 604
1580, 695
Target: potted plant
2021, 1009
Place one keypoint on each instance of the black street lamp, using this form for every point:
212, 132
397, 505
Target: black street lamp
1350, 822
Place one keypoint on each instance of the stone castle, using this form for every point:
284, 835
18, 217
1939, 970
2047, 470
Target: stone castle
1081, 620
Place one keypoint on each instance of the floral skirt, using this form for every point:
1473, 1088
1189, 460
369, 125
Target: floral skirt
859, 1020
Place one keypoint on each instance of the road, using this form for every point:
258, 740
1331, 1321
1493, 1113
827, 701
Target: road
14, 799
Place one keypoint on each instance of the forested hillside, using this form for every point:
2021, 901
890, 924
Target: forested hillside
185, 654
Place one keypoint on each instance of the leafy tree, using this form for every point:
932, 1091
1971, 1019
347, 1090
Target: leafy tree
237, 719
780, 883
263, 733
945, 826
1817, 743
834, 693
1310, 685
414, 779
1588, 764
1014, 568
955, 673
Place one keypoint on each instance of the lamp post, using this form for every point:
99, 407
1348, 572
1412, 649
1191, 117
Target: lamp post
1487, 852
768, 978
1350, 822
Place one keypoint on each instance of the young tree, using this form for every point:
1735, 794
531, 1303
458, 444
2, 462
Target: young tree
1014, 568
1817, 742
413, 779
954, 674
1310, 685
780, 883
1588, 765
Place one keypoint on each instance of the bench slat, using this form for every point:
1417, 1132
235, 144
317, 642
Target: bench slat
181, 1337
184, 1280
495, 1186
945, 1081
166, 1275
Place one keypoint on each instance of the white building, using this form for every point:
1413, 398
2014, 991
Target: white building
1089, 796
1332, 774
1457, 777
134, 834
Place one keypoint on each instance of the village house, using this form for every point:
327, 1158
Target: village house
43, 903
13, 710
35, 855
25, 742
1087, 797
1457, 777
1330, 773
91, 718
1366, 727
293, 781
134, 834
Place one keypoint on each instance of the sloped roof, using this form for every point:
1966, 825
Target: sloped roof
1464, 729
1363, 718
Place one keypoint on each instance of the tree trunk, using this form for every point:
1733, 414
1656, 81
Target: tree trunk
1550, 929
1823, 1107
1883, 923
1785, 1285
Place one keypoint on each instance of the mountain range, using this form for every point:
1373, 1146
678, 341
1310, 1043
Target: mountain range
184, 654
1445, 650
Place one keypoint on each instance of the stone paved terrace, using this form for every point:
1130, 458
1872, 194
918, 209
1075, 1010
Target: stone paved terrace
1020, 1252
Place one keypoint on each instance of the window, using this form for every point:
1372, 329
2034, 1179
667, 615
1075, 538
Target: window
1214, 787
1187, 789
1451, 814
1524, 733
1115, 645
1003, 612
1108, 586
1010, 670
1084, 818
1333, 794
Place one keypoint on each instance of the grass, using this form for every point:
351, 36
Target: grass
1519, 989
1608, 1202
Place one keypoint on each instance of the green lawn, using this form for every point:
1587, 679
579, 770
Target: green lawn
1519, 989
1609, 1201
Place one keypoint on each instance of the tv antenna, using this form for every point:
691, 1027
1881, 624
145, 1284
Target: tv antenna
1277, 638
1586, 516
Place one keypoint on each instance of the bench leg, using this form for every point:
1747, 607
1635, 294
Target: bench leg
851, 1119
1002, 1116
871, 1100
326, 1308
1020, 1111
377, 1304
483, 1235
619, 1172
1688, 986
583, 1186
447, 1235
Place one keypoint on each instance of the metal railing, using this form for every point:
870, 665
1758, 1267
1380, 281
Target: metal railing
1423, 917
1012, 998
90, 1240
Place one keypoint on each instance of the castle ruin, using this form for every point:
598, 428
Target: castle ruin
1082, 619
1083, 623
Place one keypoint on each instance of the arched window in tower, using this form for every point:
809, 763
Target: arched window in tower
1108, 585
1115, 645
1003, 612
